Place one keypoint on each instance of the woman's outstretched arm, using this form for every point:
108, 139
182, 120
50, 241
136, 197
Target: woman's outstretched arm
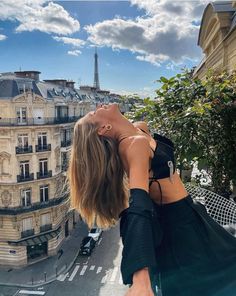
138, 256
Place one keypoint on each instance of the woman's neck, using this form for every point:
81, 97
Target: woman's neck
124, 128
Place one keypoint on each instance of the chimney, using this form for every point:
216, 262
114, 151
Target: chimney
28, 74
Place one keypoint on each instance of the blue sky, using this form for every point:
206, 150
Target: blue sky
137, 41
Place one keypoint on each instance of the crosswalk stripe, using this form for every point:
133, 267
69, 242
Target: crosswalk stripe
99, 269
104, 279
92, 267
31, 292
83, 269
62, 277
113, 275
74, 273
120, 280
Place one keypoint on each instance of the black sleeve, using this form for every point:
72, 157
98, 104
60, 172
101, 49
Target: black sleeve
138, 235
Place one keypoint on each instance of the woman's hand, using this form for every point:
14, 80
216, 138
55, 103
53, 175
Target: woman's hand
141, 284
139, 290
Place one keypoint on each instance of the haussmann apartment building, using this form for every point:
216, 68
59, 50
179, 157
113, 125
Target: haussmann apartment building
36, 128
217, 38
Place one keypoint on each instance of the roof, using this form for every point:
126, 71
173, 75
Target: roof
11, 86
218, 7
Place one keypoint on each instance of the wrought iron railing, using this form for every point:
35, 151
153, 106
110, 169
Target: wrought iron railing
33, 206
66, 143
45, 227
24, 149
36, 121
27, 233
25, 178
43, 175
42, 148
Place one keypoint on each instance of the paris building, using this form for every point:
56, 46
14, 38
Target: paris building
36, 132
217, 38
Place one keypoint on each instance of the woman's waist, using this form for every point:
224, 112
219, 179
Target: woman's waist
167, 190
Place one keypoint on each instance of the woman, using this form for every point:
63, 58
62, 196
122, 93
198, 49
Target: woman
167, 238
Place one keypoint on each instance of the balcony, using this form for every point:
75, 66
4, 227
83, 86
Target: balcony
34, 207
44, 175
35, 121
23, 150
64, 166
27, 233
45, 227
66, 143
42, 148
25, 178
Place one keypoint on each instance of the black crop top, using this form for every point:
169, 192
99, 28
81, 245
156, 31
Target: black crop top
163, 161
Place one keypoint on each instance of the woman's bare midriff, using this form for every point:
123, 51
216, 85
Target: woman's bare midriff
171, 191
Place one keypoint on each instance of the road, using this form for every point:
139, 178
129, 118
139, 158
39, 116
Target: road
97, 275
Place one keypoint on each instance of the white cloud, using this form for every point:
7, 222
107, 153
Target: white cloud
74, 52
71, 41
167, 31
2, 37
38, 15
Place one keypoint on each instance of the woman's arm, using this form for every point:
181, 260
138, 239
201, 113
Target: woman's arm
136, 225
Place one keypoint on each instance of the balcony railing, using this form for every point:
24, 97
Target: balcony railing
64, 166
46, 227
25, 178
34, 207
35, 121
43, 175
42, 148
66, 143
22, 150
27, 233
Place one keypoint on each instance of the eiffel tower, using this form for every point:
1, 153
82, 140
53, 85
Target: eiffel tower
96, 77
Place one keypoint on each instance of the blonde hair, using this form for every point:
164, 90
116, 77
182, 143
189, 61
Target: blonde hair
96, 176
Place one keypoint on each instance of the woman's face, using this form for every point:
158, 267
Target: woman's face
103, 114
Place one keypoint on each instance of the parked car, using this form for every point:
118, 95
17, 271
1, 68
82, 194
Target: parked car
95, 233
87, 246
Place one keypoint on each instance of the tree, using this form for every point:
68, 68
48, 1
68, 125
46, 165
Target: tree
200, 117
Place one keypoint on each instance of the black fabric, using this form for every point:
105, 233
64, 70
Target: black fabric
141, 235
163, 153
196, 256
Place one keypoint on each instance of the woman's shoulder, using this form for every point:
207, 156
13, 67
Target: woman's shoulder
142, 125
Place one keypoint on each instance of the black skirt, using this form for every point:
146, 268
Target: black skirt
197, 256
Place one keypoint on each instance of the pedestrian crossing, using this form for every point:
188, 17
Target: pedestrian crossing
111, 276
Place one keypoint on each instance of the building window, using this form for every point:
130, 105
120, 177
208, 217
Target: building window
23, 140
44, 193
42, 139
45, 219
27, 224
21, 114
26, 197
24, 169
43, 166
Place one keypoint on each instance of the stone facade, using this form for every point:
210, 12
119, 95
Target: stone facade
35, 142
217, 38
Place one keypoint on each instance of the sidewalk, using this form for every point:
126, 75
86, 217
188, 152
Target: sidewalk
50, 268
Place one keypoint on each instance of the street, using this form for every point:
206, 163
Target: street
97, 275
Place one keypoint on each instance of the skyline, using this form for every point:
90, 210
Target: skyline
137, 41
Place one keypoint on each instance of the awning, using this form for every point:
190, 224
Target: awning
32, 241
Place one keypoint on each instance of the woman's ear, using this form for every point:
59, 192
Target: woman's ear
103, 129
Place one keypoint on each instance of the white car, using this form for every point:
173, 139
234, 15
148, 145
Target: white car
95, 233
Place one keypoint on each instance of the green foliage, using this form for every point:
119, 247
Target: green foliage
200, 117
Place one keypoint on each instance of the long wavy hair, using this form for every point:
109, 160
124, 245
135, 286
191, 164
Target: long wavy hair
96, 176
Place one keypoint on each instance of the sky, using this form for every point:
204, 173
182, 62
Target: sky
137, 40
